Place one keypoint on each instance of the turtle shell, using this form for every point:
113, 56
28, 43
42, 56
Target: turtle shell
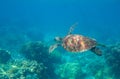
78, 43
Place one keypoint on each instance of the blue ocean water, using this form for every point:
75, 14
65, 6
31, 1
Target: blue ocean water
39, 21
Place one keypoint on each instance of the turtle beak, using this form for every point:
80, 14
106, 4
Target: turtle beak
58, 39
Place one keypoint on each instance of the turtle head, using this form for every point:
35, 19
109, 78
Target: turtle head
58, 39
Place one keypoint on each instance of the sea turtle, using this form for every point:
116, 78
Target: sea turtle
76, 43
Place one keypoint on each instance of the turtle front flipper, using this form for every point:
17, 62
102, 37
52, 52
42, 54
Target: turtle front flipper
97, 51
53, 47
72, 28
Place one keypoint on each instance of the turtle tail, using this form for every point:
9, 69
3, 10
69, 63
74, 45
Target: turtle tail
97, 51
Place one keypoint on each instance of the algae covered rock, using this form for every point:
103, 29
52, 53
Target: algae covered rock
35, 51
4, 56
113, 59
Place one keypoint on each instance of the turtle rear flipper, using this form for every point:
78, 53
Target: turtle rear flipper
97, 51
53, 47
102, 45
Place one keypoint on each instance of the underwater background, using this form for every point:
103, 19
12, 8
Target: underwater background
28, 29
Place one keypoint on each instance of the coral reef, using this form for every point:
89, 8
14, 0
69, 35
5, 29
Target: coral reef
24, 69
103, 73
38, 51
69, 70
37, 63
4, 56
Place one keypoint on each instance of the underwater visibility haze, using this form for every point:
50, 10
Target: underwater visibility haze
28, 29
